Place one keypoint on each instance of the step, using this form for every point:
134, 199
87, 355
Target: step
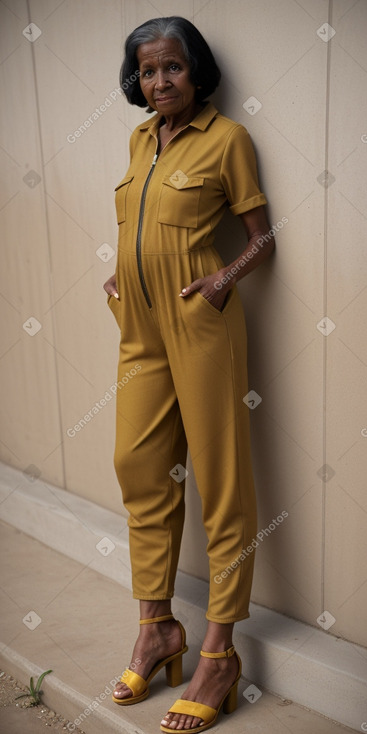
88, 567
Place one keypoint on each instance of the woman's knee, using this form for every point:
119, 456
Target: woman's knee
126, 461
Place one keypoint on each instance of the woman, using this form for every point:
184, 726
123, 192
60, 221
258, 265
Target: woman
183, 350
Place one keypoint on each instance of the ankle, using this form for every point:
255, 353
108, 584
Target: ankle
155, 608
217, 649
218, 637
157, 633
160, 631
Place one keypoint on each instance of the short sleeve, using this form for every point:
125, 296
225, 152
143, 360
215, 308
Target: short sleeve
238, 173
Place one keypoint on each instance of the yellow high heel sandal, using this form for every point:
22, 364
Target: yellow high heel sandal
208, 714
140, 686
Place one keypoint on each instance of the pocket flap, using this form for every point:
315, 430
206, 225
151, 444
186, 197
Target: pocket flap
124, 181
120, 198
178, 180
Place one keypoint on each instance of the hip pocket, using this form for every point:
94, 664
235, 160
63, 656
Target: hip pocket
231, 295
115, 306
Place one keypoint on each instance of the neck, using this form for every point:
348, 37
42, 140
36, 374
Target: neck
173, 122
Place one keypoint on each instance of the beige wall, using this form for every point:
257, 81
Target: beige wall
313, 387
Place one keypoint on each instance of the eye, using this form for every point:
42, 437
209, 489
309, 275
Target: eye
147, 72
175, 67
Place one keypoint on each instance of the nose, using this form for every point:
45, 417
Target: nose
161, 82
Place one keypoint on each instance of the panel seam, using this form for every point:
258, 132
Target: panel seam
48, 237
325, 307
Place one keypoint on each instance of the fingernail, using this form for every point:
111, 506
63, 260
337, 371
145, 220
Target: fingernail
184, 290
116, 295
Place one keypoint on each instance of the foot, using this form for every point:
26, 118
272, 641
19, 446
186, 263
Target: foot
155, 642
212, 678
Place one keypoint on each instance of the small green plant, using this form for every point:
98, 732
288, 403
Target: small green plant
34, 691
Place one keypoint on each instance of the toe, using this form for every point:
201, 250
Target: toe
196, 722
181, 722
172, 724
122, 691
167, 719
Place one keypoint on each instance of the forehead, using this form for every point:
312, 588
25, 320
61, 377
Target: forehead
158, 50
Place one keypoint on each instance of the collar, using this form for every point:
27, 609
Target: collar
201, 121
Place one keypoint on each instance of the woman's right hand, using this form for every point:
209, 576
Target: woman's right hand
110, 286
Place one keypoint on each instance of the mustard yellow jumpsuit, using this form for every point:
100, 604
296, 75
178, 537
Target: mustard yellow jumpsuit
183, 363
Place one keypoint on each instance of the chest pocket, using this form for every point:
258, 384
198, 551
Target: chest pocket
120, 198
179, 200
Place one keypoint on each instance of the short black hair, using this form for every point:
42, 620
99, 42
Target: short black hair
204, 71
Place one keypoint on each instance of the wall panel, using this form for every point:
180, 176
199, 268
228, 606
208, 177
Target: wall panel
57, 210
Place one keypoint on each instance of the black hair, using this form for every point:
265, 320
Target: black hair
204, 71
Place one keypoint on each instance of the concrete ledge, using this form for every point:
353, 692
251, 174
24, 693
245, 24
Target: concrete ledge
56, 691
287, 657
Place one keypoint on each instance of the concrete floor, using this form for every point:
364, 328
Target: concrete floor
27, 721
60, 614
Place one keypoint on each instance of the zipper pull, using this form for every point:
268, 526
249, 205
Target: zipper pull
154, 161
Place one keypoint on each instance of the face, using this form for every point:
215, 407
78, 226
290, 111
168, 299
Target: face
165, 76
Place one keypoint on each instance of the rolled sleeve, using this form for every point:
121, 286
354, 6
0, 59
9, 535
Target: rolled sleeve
238, 173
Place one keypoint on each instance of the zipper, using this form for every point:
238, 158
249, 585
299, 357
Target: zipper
140, 222
140, 227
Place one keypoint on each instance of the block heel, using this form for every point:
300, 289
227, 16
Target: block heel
230, 701
174, 672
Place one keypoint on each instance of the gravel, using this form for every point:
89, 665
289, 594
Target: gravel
20, 716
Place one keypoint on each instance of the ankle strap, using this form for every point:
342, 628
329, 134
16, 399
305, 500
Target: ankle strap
226, 654
156, 619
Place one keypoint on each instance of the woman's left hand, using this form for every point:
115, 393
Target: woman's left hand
210, 288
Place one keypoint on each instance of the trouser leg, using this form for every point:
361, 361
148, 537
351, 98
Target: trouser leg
150, 441
207, 354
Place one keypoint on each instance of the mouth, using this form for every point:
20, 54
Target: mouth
164, 99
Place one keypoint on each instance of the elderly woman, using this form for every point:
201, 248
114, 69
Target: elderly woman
183, 356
